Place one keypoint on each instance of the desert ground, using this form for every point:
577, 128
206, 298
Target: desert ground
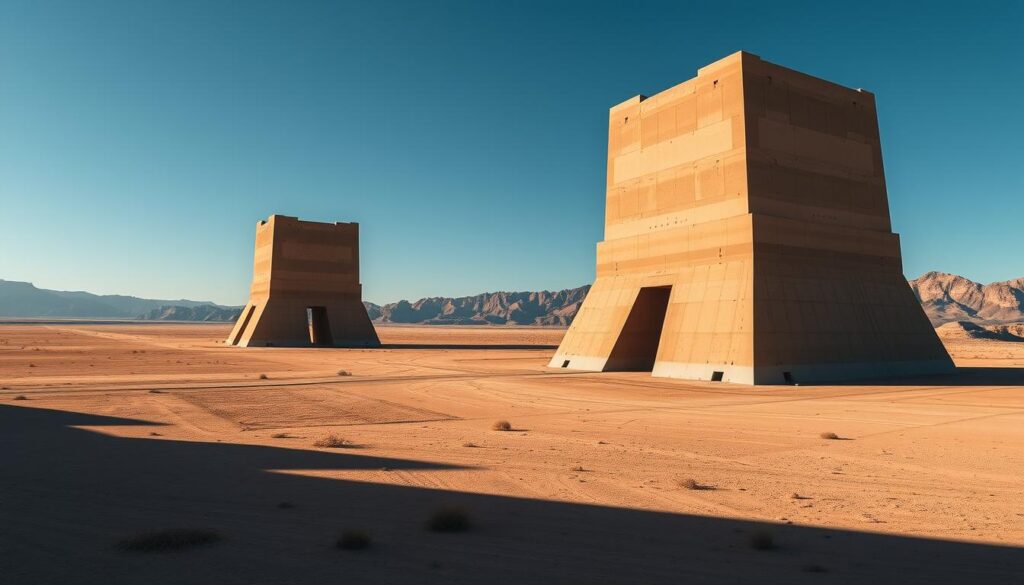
110, 432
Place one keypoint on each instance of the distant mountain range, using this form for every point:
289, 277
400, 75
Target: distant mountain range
195, 313
22, 299
968, 330
945, 297
499, 308
948, 297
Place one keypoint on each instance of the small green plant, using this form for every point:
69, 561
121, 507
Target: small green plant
169, 540
449, 519
354, 540
501, 425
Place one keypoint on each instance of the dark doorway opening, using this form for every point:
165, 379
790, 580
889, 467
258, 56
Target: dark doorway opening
319, 327
637, 346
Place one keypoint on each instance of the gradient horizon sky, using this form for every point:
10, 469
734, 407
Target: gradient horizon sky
141, 141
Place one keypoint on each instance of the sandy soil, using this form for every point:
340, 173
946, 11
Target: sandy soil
111, 431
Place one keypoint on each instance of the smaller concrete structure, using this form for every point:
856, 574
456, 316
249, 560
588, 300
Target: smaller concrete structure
305, 287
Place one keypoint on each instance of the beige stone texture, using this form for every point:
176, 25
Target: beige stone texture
305, 287
748, 239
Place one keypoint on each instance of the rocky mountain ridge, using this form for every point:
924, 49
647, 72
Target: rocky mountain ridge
949, 297
945, 298
23, 299
556, 308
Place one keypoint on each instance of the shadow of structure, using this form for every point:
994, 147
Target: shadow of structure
68, 495
960, 376
522, 346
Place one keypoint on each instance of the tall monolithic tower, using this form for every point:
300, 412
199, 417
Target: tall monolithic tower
747, 238
305, 287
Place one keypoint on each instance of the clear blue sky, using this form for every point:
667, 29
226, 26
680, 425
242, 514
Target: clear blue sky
141, 141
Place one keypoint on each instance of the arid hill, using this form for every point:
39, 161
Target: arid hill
196, 313
945, 298
967, 330
499, 308
948, 297
23, 299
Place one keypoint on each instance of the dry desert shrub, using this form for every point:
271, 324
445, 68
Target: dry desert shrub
344, 373
333, 442
449, 519
353, 540
502, 425
169, 540
762, 540
280, 436
470, 444
264, 377
692, 484
21, 397
829, 436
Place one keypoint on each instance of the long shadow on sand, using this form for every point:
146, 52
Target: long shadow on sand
68, 495
466, 346
962, 376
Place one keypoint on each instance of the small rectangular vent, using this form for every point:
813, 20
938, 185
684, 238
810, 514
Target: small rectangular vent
565, 364
717, 376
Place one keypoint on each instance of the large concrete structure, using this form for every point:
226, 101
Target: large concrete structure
747, 238
305, 287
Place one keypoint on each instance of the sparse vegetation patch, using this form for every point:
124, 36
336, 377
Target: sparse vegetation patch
449, 519
501, 425
169, 540
21, 397
692, 484
762, 540
354, 540
829, 436
333, 442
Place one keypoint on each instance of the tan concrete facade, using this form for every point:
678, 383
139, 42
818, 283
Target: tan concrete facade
747, 238
305, 287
